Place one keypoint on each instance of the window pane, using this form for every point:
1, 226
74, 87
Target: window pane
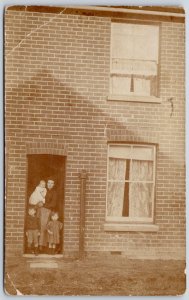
141, 86
146, 42
120, 85
140, 199
143, 153
117, 169
142, 170
122, 46
134, 41
115, 199
120, 151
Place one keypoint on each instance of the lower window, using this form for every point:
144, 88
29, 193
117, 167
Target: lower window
131, 183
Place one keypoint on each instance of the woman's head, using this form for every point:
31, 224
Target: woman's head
50, 183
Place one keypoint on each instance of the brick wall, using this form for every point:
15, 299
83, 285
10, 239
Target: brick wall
57, 83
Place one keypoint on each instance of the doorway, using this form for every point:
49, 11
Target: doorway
43, 167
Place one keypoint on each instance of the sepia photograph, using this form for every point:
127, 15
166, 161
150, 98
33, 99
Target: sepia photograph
95, 173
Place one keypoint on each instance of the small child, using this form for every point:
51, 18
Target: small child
32, 230
38, 194
53, 227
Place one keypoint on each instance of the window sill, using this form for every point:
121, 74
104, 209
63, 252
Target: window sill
125, 98
130, 227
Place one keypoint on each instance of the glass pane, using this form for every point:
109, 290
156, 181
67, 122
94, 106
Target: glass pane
142, 170
134, 41
142, 86
117, 169
115, 199
120, 85
143, 153
141, 197
120, 151
122, 45
146, 41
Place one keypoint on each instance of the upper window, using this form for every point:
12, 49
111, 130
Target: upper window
131, 183
134, 60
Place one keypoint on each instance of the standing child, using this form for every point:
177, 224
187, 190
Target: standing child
38, 194
32, 230
53, 227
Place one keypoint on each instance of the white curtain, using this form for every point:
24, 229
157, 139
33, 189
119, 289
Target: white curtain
117, 169
141, 194
142, 170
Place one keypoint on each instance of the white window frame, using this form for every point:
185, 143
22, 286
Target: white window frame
135, 98
133, 220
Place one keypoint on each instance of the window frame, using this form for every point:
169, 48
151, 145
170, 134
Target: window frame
133, 220
136, 98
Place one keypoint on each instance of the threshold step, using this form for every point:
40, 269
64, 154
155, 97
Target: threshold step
43, 255
44, 265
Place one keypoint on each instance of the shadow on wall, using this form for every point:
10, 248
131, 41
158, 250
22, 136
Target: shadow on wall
44, 108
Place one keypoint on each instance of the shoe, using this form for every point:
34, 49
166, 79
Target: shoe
49, 251
58, 250
28, 251
36, 251
45, 249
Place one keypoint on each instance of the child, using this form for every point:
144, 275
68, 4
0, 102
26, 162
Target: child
53, 227
32, 230
38, 194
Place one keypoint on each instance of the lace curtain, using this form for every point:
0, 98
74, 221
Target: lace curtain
117, 169
140, 193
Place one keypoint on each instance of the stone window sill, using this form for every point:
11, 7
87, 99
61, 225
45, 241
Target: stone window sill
125, 98
130, 227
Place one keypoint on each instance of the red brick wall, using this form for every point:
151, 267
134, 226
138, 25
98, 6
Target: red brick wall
57, 83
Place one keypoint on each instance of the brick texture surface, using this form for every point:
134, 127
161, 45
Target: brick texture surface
57, 83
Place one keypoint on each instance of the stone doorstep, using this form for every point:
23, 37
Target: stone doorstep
43, 256
44, 265
43, 261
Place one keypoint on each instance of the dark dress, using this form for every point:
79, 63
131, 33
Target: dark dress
55, 227
51, 199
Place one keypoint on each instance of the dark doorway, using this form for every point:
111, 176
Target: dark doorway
41, 167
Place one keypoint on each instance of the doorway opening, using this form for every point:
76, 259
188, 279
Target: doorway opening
43, 167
